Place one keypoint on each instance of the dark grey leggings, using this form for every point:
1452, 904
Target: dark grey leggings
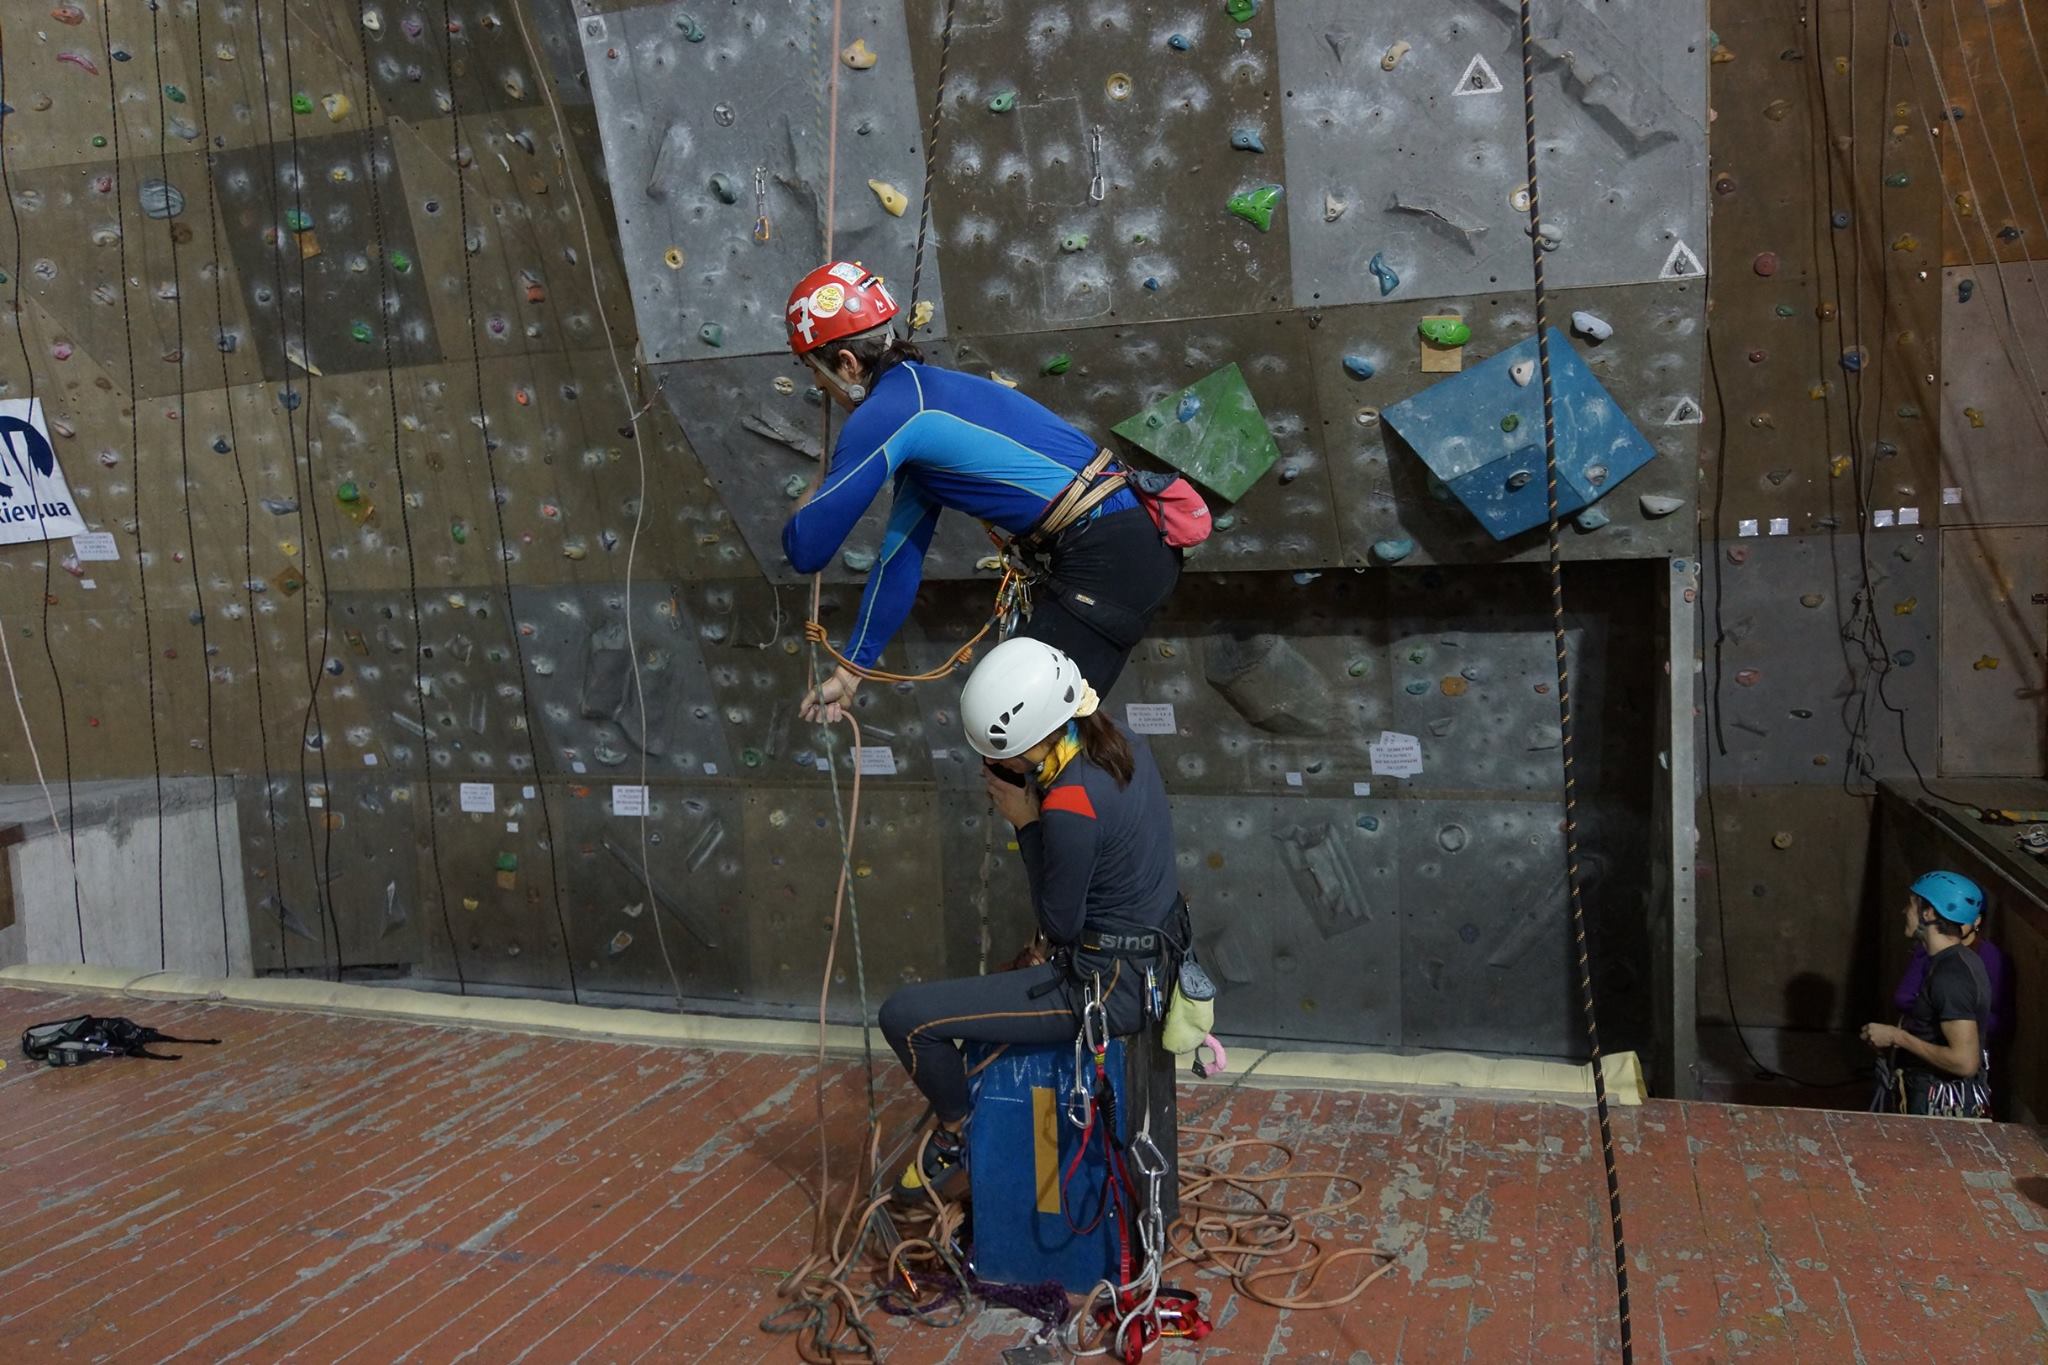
926, 1023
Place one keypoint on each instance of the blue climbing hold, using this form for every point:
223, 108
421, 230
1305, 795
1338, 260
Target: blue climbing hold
1418, 687
1964, 289
290, 399
1840, 218
1187, 408
220, 445
1904, 658
1393, 549
1152, 283
1852, 361
1369, 823
1358, 367
1384, 273
1179, 42
1592, 519
1247, 140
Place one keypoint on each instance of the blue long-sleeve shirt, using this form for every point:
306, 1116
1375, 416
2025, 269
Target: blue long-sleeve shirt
945, 439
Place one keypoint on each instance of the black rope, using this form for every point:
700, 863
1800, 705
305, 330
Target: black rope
249, 578
28, 366
931, 156
285, 234
1564, 696
503, 548
135, 485
385, 308
163, 153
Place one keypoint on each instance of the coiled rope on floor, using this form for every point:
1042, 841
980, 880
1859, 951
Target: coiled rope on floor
1573, 878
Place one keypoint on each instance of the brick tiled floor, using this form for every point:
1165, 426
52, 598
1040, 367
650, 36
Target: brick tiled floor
329, 1189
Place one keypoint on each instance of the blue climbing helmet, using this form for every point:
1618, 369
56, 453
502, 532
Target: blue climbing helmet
1953, 896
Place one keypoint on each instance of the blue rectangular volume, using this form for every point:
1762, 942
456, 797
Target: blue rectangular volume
1013, 1151
1481, 433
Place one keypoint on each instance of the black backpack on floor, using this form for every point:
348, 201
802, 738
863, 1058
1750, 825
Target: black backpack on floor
74, 1042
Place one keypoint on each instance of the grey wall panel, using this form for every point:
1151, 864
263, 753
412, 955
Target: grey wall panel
336, 872
410, 55
1994, 582
1787, 683
1016, 195
1395, 163
675, 113
1994, 351
1650, 364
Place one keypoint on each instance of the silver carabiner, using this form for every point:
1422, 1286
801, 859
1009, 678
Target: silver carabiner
1080, 1097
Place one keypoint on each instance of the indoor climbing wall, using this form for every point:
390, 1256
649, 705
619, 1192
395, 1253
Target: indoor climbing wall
1873, 582
427, 381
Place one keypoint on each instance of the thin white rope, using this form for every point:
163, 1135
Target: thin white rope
35, 756
562, 144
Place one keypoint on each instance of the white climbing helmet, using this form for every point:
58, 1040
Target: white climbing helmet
1018, 694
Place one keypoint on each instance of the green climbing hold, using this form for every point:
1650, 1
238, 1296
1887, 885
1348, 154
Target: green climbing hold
401, 262
298, 220
1059, 364
793, 487
859, 561
348, 492
711, 334
302, 104
174, 94
751, 757
1786, 310
1074, 241
1898, 180
1444, 331
99, 140
458, 533
360, 332
1510, 422
1241, 11
508, 862
1003, 103
1256, 206
1226, 521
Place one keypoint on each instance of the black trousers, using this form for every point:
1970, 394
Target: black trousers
927, 1022
1110, 575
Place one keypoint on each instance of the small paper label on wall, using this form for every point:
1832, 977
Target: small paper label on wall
875, 760
629, 800
1909, 516
710, 770
1396, 755
1361, 789
369, 760
95, 545
1881, 517
1951, 497
1294, 779
1781, 526
1150, 717
1746, 527
479, 798
941, 755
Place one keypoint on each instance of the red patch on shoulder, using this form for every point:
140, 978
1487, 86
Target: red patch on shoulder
1073, 799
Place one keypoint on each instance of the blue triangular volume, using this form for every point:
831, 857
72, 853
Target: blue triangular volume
1482, 435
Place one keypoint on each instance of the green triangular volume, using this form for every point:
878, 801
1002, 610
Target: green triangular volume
1211, 431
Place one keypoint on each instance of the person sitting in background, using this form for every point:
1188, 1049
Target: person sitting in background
1942, 1034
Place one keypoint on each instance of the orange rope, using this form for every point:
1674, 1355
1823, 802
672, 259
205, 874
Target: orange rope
815, 633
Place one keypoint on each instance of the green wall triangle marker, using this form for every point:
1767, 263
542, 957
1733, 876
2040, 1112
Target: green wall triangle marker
1222, 444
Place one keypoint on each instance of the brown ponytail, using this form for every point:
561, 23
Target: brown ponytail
1106, 747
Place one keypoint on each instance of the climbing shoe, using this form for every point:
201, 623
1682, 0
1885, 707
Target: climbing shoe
941, 1167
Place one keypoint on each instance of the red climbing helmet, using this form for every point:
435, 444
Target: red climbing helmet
836, 301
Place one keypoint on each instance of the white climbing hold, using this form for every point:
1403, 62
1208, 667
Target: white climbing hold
1333, 207
1685, 413
1478, 79
1522, 371
1592, 326
1658, 505
1394, 55
1683, 263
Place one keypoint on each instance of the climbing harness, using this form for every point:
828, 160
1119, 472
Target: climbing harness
87, 1037
1011, 601
1573, 879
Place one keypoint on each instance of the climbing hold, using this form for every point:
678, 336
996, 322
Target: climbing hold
692, 31
1416, 687
893, 202
1003, 103
921, 315
1984, 663
1510, 422
1905, 241
1757, 355
1255, 206
297, 220
1905, 607
1592, 519
1904, 658
1247, 140
1226, 522
1333, 207
1976, 417
1592, 326
348, 492
1898, 180
402, 263
1444, 331
860, 561
1659, 505
1811, 599
1824, 311
1152, 284
711, 334
1074, 241
337, 106
81, 61
1002, 379
1384, 273
1840, 218
1452, 838
1747, 677
859, 55
360, 332
1520, 479
1189, 405
1852, 360
174, 94
1179, 42
723, 189
1765, 264
1909, 411
1724, 183
70, 15
1117, 86
1393, 549
1059, 364
1358, 367
1454, 686
2008, 233
1781, 840
1368, 416
160, 199
1964, 289
1522, 371
1393, 55
302, 103
1369, 823
1241, 11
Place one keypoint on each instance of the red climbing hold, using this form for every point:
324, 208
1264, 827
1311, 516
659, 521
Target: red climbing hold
81, 61
1766, 263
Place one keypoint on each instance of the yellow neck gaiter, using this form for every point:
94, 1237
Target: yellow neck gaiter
1063, 751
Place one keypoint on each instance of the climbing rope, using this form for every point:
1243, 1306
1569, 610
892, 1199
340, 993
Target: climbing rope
1008, 590
1564, 694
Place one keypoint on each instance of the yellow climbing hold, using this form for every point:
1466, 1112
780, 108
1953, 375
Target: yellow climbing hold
1976, 417
1841, 66
1002, 379
1965, 206
673, 258
893, 202
337, 106
1722, 54
1394, 54
1906, 241
1817, 392
1838, 466
1985, 663
921, 315
1906, 607
859, 56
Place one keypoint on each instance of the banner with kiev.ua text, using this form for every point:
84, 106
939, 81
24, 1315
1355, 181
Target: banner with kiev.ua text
35, 501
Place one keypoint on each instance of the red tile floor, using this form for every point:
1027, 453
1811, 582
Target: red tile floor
328, 1189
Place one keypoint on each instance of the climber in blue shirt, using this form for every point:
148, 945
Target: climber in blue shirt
939, 438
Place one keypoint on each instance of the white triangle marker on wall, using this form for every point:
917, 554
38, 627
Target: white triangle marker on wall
1681, 263
1478, 79
1685, 413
